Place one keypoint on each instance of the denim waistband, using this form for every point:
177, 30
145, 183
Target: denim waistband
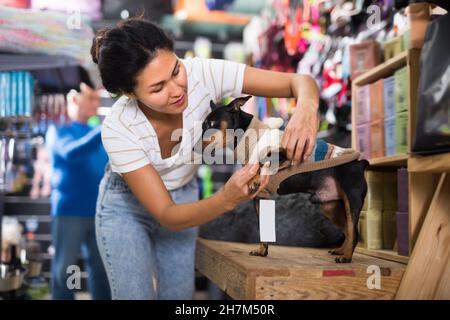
116, 182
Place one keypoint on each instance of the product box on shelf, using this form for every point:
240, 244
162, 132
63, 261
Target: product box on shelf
376, 101
363, 140
401, 132
363, 104
390, 191
374, 220
389, 97
389, 229
393, 47
377, 139
402, 233
389, 136
363, 57
16, 93
401, 90
402, 190
375, 189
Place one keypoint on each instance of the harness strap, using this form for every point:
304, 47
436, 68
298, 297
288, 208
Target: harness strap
245, 152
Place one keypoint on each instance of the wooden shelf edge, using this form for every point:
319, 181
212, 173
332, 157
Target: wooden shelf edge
383, 69
383, 254
427, 272
397, 160
291, 272
438, 163
23, 61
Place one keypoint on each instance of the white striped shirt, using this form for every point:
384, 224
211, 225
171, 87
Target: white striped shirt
131, 141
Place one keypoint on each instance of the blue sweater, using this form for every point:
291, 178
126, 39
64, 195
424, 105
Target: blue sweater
78, 160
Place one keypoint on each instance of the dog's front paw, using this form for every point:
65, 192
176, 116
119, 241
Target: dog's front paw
343, 259
254, 184
255, 253
336, 252
258, 253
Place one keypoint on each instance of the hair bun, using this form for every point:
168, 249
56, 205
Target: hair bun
97, 44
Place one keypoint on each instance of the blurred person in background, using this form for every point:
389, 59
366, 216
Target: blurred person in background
78, 160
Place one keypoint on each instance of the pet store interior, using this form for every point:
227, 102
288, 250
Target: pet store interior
383, 72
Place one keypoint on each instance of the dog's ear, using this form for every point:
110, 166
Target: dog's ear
213, 105
237, 103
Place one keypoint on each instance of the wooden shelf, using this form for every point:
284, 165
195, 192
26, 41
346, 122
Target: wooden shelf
410, 59
383, 70
391, 161
292, 272
14, 62
390, 255
428, 272
436, 163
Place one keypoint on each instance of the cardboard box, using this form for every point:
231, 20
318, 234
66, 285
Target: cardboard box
377, 139
376, 101
401, 132
363, 104
393, 47
402, 233
402, 190
363, 140
375, 189
390, 191
401, 90
389, 97
374, 220
363, 57
389, 136
362, 227
389, 229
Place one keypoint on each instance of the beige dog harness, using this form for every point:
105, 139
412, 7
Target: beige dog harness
259, 140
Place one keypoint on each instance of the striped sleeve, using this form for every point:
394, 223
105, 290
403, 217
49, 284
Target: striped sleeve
124, 153
222, 78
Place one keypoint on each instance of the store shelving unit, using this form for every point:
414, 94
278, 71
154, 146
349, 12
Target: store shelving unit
409, 58
432, 164
14, 62
429, 187
383, 254
396, 160
22, 207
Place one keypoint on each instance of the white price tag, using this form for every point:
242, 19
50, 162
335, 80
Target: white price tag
267, 220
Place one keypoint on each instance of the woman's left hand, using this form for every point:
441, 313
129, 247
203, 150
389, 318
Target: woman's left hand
300, 134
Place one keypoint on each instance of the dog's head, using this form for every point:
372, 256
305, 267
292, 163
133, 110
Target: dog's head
222, 118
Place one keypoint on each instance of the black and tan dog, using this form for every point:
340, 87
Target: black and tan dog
339, 190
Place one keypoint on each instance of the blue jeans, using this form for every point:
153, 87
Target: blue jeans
143, 260
70, 235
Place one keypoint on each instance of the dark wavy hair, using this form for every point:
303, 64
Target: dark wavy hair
122, 52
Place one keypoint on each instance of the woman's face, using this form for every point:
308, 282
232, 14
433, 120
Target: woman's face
162, 84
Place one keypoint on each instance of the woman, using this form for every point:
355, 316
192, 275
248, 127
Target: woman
148, 209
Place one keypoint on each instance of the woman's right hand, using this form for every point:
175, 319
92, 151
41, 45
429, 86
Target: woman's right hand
236, 189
